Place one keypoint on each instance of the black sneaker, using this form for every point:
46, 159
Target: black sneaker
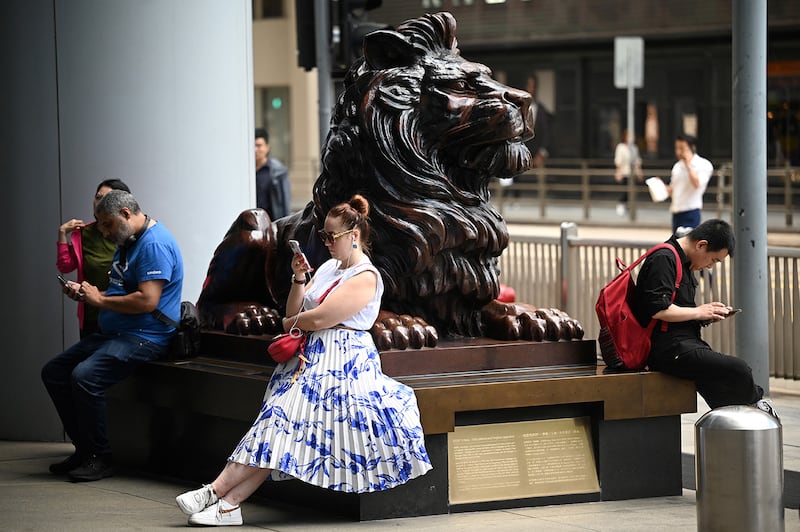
96, 467
68, 464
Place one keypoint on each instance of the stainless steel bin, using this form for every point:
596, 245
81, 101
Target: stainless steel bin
739, 468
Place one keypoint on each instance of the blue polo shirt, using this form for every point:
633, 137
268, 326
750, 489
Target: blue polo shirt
154, 256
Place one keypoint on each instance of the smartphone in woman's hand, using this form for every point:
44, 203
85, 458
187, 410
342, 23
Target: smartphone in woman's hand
295, 247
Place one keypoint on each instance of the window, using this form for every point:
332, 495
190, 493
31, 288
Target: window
783, 113
267, 9
272, 113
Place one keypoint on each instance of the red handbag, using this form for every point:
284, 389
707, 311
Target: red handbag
286, 345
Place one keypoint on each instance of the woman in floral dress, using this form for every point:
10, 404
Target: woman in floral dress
334, 419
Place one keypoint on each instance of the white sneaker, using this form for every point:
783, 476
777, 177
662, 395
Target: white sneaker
219, 514
767, 406
620, 209
197, 500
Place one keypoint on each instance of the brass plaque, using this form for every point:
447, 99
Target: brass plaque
502, 461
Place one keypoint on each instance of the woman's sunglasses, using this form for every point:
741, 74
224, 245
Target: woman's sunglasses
329, 237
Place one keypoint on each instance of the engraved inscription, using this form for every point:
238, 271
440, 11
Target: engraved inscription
503, 461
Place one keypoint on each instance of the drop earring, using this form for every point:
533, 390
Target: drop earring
355, 246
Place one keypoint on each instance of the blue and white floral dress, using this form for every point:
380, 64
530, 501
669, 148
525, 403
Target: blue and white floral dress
342, 424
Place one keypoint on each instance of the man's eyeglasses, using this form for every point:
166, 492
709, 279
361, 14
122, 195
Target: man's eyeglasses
329, 237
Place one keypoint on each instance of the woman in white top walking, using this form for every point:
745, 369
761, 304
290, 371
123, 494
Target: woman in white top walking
628, 164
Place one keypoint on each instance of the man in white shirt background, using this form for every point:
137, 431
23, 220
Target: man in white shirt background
687, 184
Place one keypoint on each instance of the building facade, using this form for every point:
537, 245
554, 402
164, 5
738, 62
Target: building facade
569, 46
285, 96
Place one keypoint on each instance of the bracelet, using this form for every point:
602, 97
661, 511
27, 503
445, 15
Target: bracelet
296, 281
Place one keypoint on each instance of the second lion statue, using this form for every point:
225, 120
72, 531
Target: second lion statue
420, 132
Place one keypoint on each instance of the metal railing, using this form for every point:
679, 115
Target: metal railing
590, 184
568, 273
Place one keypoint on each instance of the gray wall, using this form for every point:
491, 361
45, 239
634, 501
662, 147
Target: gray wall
158, 94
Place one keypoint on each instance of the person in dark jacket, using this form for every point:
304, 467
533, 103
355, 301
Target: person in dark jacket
272, 180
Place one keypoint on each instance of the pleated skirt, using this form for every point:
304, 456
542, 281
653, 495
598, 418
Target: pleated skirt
337, 421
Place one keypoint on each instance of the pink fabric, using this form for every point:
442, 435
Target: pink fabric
70, 258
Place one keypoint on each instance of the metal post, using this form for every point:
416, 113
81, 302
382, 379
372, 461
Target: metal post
324, 84
542, 186
751, 275
631, 185
632, 136
586, 193
787, 195
631, 129
568, 230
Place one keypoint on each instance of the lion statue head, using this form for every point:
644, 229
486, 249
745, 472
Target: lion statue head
420, 132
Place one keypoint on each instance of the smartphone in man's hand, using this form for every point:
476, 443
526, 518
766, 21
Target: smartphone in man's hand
732, 312
73, 289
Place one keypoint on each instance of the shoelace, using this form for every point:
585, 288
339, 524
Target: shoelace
205, 495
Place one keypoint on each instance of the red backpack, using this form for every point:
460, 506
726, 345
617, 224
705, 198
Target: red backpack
624, 344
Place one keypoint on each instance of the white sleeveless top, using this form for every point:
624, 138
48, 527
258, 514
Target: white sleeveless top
328, 274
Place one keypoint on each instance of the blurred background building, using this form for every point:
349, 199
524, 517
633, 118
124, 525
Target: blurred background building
569, 46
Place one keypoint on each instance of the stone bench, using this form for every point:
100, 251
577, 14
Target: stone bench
182, 418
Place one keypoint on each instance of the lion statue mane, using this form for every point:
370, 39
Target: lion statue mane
419, 132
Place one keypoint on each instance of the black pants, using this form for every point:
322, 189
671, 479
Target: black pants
78, 378
624, 197
721, 380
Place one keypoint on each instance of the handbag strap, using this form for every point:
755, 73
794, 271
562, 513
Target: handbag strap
296, 331
328, 291
678, 273
157, 314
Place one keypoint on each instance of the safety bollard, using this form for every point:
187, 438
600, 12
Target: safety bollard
739, 468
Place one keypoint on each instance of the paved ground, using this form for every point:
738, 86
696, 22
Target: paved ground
32, 499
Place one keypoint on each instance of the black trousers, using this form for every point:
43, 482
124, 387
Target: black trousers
721, 380
624, 197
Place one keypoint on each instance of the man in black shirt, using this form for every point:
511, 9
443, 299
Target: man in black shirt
679, 350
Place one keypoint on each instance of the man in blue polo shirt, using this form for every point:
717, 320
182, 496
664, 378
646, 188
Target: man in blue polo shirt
146, 275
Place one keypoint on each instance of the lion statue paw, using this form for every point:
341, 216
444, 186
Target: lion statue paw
519, 321
401, 331
253, 320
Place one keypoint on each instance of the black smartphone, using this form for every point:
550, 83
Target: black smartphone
734, 311
64, 282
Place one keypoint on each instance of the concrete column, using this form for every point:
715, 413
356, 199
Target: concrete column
159, 94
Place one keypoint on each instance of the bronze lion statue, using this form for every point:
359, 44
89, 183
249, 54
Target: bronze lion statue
419, 131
